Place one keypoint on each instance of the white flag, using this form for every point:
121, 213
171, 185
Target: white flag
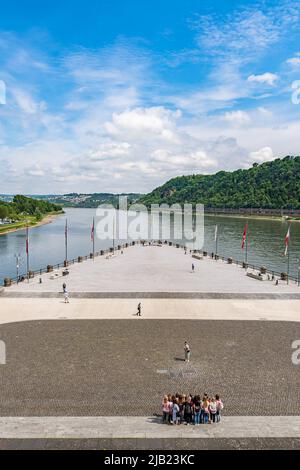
216, 233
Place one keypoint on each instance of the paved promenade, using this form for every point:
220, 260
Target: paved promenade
28, 309
154, 269
103, 427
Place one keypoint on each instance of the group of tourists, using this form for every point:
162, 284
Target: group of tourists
188, 409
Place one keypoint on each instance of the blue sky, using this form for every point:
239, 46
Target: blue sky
118, 95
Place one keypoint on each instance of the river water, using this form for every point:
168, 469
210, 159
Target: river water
47, 242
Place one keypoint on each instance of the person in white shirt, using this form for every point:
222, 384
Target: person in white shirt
187, 352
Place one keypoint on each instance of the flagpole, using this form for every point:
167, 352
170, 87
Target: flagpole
66, 243
114, 234
288, 267
246, 261
27, 251
93, 238
288, 253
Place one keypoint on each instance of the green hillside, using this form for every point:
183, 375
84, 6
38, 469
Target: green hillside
22, 211
274, 184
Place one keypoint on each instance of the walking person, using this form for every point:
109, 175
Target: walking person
187, 352
193, 268
139, 309
66, 296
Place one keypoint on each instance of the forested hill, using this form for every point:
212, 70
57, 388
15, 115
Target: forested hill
274, 184
23, 207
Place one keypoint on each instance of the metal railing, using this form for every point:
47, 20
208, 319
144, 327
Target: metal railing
53, 267
253, 211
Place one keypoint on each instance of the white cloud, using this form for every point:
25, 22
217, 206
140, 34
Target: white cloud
110, 150
268, 78
294, 61
236, 117
35, 170
159, 122
247, 32
262, 155
25, 102
194, 161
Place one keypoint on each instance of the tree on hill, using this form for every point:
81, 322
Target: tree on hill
274, 184
3, 212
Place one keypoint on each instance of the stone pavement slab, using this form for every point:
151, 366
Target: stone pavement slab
28, 309
130, 427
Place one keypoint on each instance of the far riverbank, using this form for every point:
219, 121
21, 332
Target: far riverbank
5, 229
254, 217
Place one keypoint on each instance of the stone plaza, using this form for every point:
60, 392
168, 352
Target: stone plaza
91, 373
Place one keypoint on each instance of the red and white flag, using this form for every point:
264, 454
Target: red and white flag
244, 236
93, 231
287, 241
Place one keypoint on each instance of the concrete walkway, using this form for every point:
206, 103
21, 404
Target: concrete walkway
123, 427
17, 310
154, 269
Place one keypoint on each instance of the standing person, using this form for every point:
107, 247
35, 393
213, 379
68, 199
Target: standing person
197, 410
220, 407
175, 412
171, 399
66, 296
213, 409
181, 406
139, 309
188, 411
64, 286
205, 410
193, 268
187, 352
166, 410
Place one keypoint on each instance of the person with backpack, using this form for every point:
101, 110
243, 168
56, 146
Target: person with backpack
220, 407
181, 406
188, 411
197, 410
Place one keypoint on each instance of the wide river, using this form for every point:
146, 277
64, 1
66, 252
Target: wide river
47, 242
